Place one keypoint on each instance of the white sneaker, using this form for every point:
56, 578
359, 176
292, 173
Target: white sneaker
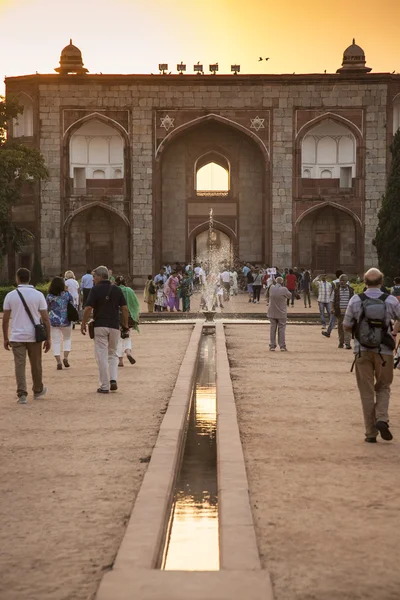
22, 400
323, 327
40, 394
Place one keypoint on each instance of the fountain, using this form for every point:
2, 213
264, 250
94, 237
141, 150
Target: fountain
211, 260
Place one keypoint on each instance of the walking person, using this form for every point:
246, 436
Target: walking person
306, 288
73, 287
277, 314
225, 279
22, 340
86, 285
149, 296
61, 328
332, 320
171, 290
291, 284
370, 314
249, 278
124, 341
185, 291
106, 300
257, 285
342, 293
324, 297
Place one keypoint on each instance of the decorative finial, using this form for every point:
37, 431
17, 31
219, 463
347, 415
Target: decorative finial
70, 41
354, 41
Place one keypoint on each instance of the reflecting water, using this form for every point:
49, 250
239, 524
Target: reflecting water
193, 542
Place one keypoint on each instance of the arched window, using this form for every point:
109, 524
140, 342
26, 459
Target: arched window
212, 178
96, 152
329, 147
396, 114
23, 124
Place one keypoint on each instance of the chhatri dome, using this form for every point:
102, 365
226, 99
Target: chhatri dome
354, 60
71, 61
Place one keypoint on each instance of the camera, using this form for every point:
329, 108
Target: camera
124, 333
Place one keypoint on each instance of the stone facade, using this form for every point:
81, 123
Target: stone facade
255, 124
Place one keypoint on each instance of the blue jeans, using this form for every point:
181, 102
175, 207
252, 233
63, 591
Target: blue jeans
331, 325
322, 306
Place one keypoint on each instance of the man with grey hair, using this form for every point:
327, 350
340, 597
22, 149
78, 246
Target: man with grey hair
277, 314
370, 314
106, 300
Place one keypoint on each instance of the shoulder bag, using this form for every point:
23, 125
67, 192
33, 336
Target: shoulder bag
40, 329
72, 313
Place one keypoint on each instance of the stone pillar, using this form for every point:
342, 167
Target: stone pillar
375, 167
282, 194
50, 209
142, 197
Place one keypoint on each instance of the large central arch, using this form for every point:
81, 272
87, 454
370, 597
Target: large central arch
243, 209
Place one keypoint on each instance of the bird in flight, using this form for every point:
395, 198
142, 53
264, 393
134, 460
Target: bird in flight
261, 58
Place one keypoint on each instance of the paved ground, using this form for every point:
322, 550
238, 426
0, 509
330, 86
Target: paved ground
240, 304
326, 505
71, 465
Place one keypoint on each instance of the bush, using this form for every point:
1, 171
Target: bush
42, 287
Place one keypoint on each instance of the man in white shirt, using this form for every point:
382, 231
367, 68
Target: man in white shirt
22, 339
225, 279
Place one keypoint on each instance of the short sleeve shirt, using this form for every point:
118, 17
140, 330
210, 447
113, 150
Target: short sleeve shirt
353, 313
22, 329
106, 300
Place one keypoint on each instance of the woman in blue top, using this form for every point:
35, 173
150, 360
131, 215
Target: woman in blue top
57, 303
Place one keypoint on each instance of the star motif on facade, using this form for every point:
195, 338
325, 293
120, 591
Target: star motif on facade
167, 122
257, 123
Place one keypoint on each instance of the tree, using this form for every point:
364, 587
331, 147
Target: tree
387, 238
19, 165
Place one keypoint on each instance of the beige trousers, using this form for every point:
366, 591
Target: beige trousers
373, 380
105, 348
34, 350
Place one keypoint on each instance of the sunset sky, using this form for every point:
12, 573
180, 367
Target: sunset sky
133, 36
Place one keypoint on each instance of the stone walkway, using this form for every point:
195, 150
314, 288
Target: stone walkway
71, 465
326, 505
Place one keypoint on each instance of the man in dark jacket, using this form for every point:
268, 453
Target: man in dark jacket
342, 292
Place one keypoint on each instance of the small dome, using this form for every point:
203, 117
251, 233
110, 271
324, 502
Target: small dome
71, 50
354, 51
354, 60
71, 61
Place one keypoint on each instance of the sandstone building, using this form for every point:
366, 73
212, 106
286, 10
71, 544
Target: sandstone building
303, 158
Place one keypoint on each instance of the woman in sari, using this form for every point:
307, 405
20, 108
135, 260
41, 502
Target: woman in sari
171, 290
125, 345
185, 291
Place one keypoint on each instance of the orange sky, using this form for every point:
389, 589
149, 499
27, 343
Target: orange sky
133, 36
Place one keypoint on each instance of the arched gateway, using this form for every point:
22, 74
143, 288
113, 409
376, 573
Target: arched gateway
240, 206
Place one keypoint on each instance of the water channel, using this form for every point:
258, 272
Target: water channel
192, 543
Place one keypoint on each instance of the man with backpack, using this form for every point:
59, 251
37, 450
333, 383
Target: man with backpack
341, 296
369, 315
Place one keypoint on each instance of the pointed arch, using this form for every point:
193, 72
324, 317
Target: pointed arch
217, 225
339, 209
205, 119
325, 204
73, 214
212, 156
99, 117
326, 117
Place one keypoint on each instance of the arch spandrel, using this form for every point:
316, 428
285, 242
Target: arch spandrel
195, 122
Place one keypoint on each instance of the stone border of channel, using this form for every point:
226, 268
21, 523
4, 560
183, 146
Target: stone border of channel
135, 574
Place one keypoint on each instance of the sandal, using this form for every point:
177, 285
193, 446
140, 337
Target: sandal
131, 359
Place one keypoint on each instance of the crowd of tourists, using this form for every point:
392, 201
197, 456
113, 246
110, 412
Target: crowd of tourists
110, 309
